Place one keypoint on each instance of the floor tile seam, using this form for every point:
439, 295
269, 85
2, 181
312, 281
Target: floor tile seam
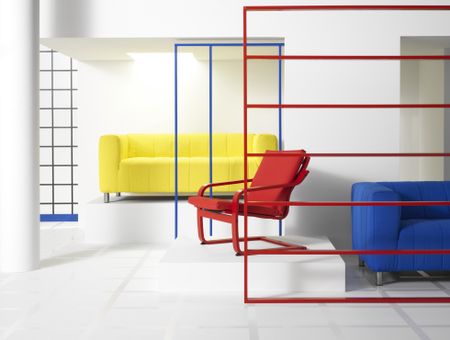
35, 306
333, 326
439, 285
30, 311
107, 306
409, 321
252, 323
172, 324
340, 326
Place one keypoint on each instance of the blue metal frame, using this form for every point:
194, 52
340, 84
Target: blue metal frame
59, 218
176, 141
210, 133
210, 61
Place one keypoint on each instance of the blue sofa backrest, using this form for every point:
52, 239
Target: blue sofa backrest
422, 191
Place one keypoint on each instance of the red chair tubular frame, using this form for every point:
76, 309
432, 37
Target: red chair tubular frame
232, 218
248, 252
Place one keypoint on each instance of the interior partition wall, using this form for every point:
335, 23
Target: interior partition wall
249, 106
210, 47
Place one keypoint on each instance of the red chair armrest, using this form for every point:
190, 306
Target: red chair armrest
203, 188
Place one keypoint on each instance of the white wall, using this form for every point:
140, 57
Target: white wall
422, 130
323, 82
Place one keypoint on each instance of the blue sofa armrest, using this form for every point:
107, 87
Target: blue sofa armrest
375, 227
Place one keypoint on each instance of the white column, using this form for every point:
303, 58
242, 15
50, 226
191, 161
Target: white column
19, 135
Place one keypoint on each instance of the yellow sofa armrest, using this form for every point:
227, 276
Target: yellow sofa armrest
264, 142
112, 149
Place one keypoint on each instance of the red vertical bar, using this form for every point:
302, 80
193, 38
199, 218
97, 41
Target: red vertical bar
245, 159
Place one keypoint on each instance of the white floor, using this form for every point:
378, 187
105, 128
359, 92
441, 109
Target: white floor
88, 292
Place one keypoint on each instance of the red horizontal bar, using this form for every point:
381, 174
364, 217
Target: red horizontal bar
347, 106
281, 251
347, 7
352, 154
349, 300
350, 203
349, 57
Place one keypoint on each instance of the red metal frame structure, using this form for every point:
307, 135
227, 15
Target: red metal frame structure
247, 251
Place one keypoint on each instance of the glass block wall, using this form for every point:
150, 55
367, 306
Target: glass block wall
58, 127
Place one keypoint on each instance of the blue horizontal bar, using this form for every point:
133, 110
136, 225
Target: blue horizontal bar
59, 217
228, 44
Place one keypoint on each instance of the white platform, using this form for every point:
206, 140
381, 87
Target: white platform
150, 220
189, 266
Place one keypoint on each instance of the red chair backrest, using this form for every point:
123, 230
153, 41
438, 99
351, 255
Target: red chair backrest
284, 168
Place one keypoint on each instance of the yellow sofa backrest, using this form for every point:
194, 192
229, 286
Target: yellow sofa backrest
197, 145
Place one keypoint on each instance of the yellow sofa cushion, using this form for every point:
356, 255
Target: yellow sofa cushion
157, 174
144, 163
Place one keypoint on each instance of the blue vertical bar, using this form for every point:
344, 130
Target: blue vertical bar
210, 134
176, 141
280, 119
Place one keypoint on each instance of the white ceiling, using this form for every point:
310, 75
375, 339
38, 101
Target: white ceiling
117, 48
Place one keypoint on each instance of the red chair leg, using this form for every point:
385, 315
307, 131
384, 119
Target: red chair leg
200, 231
235, 235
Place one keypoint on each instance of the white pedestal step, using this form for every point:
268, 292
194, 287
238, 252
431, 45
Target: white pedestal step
141, 219
189, 266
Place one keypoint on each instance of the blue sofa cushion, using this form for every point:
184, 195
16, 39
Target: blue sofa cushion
424, 234
422, 191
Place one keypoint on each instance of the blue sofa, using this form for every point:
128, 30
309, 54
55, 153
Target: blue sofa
402, 227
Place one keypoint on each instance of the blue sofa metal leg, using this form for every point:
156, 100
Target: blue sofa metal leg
379, 278
360, 262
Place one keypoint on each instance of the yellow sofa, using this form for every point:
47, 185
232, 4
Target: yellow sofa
144, 163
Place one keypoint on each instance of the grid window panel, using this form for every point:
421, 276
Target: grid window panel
74, 99
75, 172
75, 160
45, 60
46, 193
75, 191
62, 156
75, 80
60, 61
45, 117
63, 193
63, 174
62, 118
45, 175
57, 114
45, 99
75, 135
45, 136
63, 209
61, 80
45, 80
45, 155
62, 137
61, 99
46, 208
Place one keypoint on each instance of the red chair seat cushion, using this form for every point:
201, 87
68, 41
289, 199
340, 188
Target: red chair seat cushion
217, 204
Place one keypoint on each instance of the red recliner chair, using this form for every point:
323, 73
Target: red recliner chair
274, 180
